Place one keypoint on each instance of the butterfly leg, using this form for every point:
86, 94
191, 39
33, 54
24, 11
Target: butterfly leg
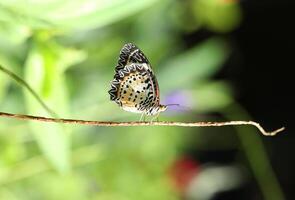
155, 118
152, 119
142, 117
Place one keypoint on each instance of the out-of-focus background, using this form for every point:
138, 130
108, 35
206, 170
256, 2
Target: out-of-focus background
219, 59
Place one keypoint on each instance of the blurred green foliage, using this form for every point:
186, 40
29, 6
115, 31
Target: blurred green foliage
67, 51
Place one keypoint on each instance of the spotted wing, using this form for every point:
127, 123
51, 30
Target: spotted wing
136, 88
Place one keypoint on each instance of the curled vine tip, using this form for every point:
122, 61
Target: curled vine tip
275, 131
261, 129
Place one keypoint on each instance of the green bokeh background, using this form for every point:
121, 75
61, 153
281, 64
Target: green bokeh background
67, 51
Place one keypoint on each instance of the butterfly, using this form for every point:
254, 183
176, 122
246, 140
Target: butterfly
135, 87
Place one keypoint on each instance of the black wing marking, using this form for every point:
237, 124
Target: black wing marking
142, 71
130, 54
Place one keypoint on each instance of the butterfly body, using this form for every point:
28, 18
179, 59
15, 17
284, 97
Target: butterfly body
135, 87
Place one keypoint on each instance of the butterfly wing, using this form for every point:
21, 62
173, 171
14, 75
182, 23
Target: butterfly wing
137, 89
130, 54
134, 87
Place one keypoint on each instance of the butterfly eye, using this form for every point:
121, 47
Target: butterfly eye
163, 108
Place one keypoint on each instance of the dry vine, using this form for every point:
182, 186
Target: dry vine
108, 123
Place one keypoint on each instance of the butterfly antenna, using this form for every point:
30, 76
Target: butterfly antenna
187, 108
173, 104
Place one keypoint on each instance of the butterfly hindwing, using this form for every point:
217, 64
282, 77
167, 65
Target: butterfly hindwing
134, 87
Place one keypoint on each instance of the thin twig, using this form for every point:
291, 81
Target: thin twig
109, 123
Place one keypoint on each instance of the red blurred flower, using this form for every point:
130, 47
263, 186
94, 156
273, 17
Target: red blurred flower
183, 171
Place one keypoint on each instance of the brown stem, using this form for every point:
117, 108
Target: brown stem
108, 123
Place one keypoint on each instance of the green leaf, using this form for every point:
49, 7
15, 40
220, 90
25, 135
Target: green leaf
217, 15
211, 96
44, 71
71, 15
13, 33
196, 64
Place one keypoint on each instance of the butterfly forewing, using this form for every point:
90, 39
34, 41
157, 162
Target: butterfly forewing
130, 54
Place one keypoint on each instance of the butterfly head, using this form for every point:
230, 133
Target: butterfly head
162, 108
156, 110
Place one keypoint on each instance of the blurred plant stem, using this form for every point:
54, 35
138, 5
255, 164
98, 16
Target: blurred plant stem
255, 152
29, 88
